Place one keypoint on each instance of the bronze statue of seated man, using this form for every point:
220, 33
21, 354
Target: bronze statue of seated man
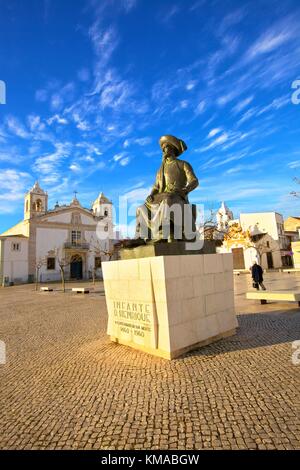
167, 214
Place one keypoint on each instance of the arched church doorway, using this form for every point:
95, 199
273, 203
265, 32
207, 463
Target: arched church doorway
76, 267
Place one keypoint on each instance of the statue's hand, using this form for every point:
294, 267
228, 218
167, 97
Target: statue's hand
150, 199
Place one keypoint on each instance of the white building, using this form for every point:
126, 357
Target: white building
258, 236
270, 223
72, 235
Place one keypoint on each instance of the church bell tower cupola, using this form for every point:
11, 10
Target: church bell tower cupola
36, 202
102, 207
224, 216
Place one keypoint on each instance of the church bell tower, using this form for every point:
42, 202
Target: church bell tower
36, 202
224, 216
102, 207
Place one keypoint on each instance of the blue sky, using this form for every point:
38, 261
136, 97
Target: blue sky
92, 85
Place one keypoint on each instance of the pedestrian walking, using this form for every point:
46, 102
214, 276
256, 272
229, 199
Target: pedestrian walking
257, 276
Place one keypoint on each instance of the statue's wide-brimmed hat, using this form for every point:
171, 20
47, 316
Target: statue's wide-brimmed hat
179, 145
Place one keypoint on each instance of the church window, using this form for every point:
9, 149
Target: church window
16, 247
50, 263
106, 213
34, 206
97, 262
106, 228
76, 219
76, 237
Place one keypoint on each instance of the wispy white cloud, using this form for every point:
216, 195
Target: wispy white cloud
90, 148
233, 18
294, 164
221, 139
16, 127
228, 47
119, 156
35, 123
125, 161
88, 158
214, 132
137, 195
242, 104
277, 35
115, 94
62, 96
200, 108
277, 103
122, 158
247, 115
243, 168
142, 141
191, 85
49, 164
104, 41
13, 185
230, 96
58, 119
75, 167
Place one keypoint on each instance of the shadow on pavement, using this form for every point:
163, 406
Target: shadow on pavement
257, 330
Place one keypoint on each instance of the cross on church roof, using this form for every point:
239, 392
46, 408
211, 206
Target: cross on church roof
75, 194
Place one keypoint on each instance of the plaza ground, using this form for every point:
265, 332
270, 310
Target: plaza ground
66, 386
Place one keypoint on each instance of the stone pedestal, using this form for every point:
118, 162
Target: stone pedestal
167, 249
168, 305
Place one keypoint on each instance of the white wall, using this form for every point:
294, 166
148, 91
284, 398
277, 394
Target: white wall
48, 239
104, 245
265, 221
64, 218
15, 265
88, 220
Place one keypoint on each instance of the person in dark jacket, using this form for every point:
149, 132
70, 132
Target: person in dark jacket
257, 276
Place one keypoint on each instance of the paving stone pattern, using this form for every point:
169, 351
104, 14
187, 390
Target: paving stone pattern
66, 386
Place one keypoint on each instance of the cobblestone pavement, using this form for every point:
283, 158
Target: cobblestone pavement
66, 386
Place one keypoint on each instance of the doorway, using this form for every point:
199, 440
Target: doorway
238, 258
270, 260
76, 267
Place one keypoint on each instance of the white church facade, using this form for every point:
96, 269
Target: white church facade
70, 235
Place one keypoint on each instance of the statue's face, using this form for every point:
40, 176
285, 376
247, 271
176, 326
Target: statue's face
169, 150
